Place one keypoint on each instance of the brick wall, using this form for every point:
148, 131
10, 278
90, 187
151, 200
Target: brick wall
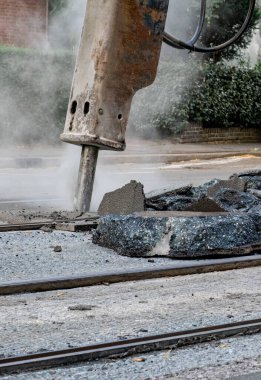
23, 23
195, 133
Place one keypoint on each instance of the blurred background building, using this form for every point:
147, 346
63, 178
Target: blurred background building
23, 23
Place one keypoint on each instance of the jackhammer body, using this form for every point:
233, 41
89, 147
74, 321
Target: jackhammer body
118, 55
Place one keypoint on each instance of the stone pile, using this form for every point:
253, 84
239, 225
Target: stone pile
219, 218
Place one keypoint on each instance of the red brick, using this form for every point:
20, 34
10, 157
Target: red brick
196, 134
23, 23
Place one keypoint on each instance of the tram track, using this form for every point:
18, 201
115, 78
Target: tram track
119, 349
74, 225
107, 278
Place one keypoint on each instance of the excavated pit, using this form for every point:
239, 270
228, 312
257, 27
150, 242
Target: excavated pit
217, 219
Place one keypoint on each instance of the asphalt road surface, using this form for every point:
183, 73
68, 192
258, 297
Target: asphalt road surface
54, 185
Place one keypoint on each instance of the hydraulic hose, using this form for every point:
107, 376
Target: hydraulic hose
198, 32
174, 42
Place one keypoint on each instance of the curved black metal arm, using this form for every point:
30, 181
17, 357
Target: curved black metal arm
172, 41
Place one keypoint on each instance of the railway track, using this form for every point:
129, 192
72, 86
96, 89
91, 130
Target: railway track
70, 282
59, 283
74, 225
118, 349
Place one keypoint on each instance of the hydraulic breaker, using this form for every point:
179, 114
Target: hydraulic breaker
118, 55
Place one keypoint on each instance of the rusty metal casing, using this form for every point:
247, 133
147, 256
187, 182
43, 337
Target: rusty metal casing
118, 55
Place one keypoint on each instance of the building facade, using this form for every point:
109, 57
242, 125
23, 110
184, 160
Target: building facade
23, 23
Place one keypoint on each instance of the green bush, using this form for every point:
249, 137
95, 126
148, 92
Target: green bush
226, 96
214, 95
34, 92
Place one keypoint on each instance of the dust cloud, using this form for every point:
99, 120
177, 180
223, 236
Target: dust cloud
148, 102
19, 126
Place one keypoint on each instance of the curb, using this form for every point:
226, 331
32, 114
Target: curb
168, 158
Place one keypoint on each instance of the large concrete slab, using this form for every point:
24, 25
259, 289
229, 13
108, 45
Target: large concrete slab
180, 235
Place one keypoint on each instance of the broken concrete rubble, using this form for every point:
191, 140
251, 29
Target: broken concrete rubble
215, 219
191, 198
126, 200
256, 193
205, 204
234, 183
179, 235
171, 203
256, 209
232, 200
171, 199
252, 179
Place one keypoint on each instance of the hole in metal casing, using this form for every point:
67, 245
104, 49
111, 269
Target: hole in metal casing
73, 107
86, 108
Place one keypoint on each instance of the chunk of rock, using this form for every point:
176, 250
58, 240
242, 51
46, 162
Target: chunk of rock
180, 235
256, 193
251, 178
57, 248
256, 209
170, 199
126, 200
155, 194
202, 190
209, 188
257, 220
205, 204
233, 200
188, 198
172, 203
235, 183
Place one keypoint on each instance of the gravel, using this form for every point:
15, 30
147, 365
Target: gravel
26, 255
30, 255
61, 319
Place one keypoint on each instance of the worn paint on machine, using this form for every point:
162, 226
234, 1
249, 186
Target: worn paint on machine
119, 54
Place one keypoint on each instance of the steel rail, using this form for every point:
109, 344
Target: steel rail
32, 226
118, 349
61, 283
26, 226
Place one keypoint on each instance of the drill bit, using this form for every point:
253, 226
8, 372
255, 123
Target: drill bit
86, 176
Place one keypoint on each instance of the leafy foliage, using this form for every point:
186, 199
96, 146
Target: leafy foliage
214, 95
226, 96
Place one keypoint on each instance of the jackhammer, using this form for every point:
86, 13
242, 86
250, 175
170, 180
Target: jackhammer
118, 55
